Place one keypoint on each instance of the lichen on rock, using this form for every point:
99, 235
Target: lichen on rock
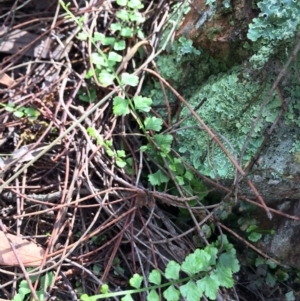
229, 112
234, 89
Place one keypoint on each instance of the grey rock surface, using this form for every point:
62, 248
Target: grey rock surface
277, 178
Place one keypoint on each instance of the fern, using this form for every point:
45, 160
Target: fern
207, 270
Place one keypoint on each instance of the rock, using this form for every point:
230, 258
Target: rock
284, 245
219, 29
277, 177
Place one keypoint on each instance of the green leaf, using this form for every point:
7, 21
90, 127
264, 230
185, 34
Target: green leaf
171, 293
172, 270
98, 36
254, 236
96, 269
153, 296
31, 112
89, 74
223, 242
196, 262
212, 251
120, 162
119, 45
259, 260
86, 297
290, 296
94, 134
18, 113
111, 65
142, 104
47, 279
271, 264
153, 123
158, 178
140, 34
164, 142
282, 275
87, 97
208, 285
129, 79
136, 17
116, 27
24, 285
271, 279
98, 59
223, 277
9, 107
122, 15
121, 153
191, 291
113, 56
136, 281
40, 295
206, 229
122, 2
126, 32
177, 166
180, 180
135, 4
82, 36
22, 291
155, 277
104, 288
19, 297
120, 106
188, 175
251, 228
228, 260
106, 78
127, 298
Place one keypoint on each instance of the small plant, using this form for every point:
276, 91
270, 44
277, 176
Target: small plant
24, 290
20, 112
118, 155
117, 267
103, 70
250, 226
269, 273
104, 63
88, 95
207, 270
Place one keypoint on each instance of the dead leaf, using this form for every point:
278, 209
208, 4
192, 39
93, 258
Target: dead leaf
29, 253
23, 154
6, 80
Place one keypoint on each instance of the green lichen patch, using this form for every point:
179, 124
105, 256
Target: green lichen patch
278, 20
229, 112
